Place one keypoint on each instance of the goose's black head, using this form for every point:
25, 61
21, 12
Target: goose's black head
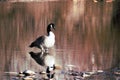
50, 27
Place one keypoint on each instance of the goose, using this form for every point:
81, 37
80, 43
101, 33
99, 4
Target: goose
46, 41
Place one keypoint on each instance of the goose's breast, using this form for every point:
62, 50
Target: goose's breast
49, 41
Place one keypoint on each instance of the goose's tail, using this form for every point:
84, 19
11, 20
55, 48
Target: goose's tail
32, 45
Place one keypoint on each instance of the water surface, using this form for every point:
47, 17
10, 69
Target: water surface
87, 34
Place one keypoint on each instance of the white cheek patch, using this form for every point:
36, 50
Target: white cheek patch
51, 26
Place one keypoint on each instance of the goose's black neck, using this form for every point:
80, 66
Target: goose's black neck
48, 30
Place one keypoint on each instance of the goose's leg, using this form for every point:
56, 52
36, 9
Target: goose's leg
42, 48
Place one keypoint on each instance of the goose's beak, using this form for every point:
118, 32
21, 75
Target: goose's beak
53, 27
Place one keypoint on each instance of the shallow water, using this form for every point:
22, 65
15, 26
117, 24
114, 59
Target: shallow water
87, 35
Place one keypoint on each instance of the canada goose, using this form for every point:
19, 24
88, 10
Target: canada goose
46, 41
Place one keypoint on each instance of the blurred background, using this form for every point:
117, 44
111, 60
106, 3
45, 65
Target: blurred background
87, 33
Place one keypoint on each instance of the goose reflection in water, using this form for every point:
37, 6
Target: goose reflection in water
47, 60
